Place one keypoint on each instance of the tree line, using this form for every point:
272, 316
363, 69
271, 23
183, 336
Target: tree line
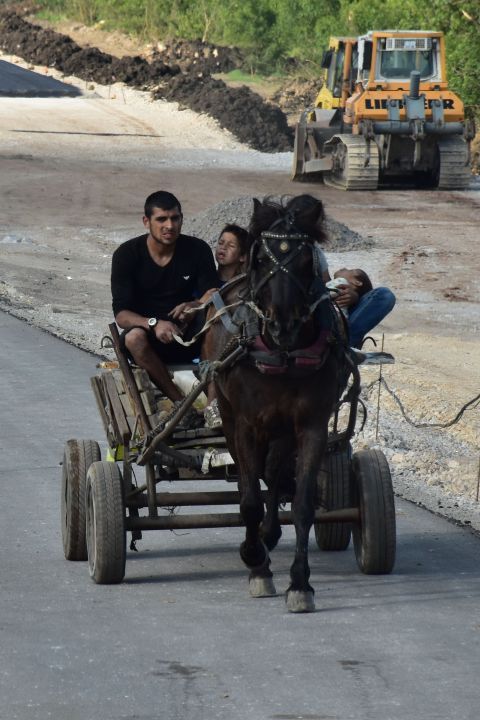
276, 34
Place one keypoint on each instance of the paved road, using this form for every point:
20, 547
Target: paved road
180, 639
18, 82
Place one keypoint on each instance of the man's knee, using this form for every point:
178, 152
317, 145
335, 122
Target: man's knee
136, 341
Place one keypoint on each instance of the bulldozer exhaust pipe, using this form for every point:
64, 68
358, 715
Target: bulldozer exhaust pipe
414, 84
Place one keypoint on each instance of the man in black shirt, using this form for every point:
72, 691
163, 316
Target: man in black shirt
151, 276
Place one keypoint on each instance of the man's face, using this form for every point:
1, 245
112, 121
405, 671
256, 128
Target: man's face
164, 226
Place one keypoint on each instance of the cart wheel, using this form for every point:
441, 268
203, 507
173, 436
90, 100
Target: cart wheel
334, 489
106, 536
77, 458
374, 537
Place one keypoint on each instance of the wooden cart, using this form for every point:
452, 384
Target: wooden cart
102, 502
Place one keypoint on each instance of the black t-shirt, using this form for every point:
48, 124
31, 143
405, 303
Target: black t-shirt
142, 286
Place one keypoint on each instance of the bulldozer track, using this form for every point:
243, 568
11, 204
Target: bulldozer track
454, 171
354, 167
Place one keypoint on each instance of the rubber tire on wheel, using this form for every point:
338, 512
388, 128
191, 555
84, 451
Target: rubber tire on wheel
77, 458
334, 489
106, 536
374, 537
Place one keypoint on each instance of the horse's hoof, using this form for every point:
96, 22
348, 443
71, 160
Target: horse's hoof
261, 587
299, 601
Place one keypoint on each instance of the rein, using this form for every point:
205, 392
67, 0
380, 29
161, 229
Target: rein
220, 312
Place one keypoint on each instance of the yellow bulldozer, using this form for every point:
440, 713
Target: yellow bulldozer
385, 116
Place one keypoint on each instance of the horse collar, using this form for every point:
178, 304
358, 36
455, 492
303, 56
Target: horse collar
279, 362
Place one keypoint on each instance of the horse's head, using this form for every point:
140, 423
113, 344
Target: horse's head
283, 273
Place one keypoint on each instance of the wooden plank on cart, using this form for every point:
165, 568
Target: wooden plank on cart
118, 414
130, 380
101, 400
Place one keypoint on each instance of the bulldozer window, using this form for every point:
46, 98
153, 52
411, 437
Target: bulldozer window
335, 72
398, 64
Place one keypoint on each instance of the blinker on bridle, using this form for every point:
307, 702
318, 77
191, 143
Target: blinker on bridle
284, 247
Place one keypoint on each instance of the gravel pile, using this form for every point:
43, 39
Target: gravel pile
208, 225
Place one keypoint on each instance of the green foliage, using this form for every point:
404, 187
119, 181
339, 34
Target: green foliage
243, 77
271, 31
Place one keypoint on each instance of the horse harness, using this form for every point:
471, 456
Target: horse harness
246, 322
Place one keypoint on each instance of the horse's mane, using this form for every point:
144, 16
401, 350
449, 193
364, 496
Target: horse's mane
300, 213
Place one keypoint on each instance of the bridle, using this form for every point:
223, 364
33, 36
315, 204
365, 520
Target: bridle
278, 265
292, 243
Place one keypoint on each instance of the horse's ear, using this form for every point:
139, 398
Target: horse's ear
256, 205
314, 215
312, 219
308, 212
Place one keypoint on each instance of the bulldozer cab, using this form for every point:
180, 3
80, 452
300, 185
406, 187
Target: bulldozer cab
390, 57
340, 65
385, 116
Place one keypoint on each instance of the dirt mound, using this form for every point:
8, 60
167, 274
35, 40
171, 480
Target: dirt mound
199, 57
297, 95
42, 46
209, 223
244, 113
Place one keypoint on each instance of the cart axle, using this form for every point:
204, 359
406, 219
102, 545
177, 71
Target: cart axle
184, 522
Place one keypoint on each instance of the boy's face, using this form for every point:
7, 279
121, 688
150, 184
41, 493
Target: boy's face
349, 275
227, 251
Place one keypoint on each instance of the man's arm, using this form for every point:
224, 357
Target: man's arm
207, 276
163, 330
123, 291
181, 312
127, 319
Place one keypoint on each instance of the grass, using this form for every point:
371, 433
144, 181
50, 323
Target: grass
50, 16
244, 77
265, 85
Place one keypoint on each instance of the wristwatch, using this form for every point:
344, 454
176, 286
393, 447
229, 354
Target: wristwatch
152, 322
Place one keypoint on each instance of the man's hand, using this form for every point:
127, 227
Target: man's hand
180, 311
346, 297
164, 331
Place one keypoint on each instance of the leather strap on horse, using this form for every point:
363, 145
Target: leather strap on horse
220, 313
220, 306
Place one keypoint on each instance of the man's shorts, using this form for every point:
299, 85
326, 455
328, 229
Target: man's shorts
171, 353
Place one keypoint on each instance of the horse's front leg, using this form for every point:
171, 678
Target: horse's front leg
300, 594
250, 456
279, 478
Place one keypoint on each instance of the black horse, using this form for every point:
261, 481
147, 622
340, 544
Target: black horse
276, 400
